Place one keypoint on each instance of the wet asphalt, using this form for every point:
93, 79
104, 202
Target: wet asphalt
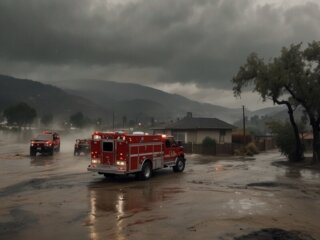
54, 197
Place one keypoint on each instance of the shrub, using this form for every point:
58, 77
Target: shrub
251, 149
240, 151
208, 142
248, 150
284, 137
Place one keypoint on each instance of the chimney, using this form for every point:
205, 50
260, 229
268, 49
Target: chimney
189, 115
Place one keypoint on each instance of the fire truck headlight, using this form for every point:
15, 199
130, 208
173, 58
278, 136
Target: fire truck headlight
96, 137
95, 161
121, 163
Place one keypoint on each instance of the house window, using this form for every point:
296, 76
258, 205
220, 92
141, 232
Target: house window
179, 136
221, 136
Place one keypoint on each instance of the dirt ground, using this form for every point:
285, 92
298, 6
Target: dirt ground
214, 198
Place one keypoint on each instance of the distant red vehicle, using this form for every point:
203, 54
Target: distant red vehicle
46, 142
117, 153
82, 146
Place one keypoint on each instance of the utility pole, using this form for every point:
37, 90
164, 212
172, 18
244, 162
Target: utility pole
244, 127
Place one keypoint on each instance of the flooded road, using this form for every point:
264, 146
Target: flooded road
54, 197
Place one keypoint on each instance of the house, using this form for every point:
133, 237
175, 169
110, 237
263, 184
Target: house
191, 130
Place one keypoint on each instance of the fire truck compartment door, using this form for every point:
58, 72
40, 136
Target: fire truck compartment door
108, 152
157, 162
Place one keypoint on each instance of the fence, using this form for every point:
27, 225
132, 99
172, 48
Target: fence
227, 148
216, 149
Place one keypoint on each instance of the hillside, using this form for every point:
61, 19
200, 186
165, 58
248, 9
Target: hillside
105, 99
123, 97
45, 98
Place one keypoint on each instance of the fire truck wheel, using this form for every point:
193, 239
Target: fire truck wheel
146, 171
109, 175
180, 164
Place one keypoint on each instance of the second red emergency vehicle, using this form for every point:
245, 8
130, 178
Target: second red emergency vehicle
120, 153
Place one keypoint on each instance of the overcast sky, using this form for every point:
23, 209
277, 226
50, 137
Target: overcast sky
189, 47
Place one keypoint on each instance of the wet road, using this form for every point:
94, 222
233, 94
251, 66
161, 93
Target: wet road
215, 198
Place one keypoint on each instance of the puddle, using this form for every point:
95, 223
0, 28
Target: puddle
275, 233
120, 206
20, 220
42, 160
129, 198
246, 205
37, 184
148, 220
270, 184
304, 172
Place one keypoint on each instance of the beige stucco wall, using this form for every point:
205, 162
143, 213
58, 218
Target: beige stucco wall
201, 134
189, 135
214, 134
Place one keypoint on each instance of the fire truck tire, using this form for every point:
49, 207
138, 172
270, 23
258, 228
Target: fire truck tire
109, 175
180, 165
58, 149
146, 171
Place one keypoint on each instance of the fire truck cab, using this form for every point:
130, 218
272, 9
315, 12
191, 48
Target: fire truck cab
119, 153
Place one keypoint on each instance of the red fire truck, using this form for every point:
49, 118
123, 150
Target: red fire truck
119, 153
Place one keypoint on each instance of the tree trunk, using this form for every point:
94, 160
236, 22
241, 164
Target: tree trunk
298, 156
316, 142
298, 150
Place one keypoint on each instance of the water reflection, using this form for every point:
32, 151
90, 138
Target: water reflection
42, 160
293, 173
246, 205
304, 174
112, 205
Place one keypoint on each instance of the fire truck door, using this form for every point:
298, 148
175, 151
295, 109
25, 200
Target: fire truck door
169, 154
108, 152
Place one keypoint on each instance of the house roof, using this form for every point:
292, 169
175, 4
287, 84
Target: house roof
198, 123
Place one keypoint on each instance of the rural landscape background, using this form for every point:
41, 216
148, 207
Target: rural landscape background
235, 83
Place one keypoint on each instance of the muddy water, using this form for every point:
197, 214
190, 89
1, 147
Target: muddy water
215, 198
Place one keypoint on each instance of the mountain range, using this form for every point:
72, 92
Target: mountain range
46, 99
104, 99
135, 99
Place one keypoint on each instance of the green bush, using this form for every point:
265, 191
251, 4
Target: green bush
208, 142
251, 149
240, 151
284, 137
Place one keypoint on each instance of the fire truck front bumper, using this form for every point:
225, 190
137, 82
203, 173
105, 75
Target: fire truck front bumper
107, 169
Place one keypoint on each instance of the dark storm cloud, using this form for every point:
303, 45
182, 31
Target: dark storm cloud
201, 41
